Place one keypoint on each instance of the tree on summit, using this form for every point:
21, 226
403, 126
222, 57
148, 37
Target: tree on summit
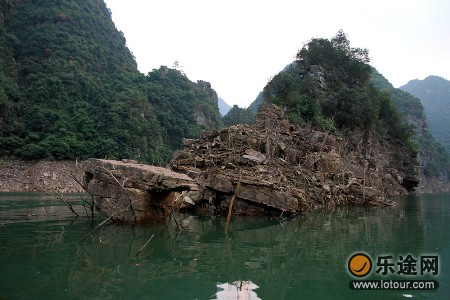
346, 63
329, 88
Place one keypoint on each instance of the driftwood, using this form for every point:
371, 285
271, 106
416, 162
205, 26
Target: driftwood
230, 209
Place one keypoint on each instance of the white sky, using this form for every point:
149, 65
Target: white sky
238, 45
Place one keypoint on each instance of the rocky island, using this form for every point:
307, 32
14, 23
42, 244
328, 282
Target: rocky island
272, 167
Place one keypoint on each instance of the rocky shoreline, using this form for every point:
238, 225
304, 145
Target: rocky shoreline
40, 176
270, 154
51, 177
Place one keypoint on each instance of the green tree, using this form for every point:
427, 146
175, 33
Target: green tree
184, 107
237, 115
328, 87
434, 160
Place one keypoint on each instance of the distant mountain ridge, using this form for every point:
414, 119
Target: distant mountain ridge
434, 94
255, 105
224, 107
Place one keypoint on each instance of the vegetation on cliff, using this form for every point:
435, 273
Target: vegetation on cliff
69, 87
328, 88
8, 90
433, 157
332, 87
183, 108
238, 115
434, 94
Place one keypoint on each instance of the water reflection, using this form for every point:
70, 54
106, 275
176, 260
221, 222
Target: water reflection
302, 257
25, 207
242, 290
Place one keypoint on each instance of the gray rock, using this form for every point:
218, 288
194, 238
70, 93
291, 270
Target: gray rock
134, 193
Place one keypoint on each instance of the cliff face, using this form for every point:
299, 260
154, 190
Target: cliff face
203, 117
434, 161
206, 86
434, 94
40, 177
277, 166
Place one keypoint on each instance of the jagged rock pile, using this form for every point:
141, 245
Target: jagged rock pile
276, 166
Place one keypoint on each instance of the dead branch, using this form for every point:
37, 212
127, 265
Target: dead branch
230, 208
91, 206
122, 185
92, 231
175, 219
84, 187
145, 245
66, 202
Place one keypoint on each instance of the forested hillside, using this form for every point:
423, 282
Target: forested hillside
70, 88
183, 108
238, 115
328, 87
8, 88
256, 104
332, 87
434, 93
433, 158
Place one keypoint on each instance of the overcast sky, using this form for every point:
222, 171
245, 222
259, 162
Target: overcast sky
238, 45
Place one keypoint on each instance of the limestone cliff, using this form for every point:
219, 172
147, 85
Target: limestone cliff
434, 161
206, 86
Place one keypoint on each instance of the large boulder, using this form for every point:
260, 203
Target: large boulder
129, 192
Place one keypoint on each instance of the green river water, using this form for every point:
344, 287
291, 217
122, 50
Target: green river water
304, 257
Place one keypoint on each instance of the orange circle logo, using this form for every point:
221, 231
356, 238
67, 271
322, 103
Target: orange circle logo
360, 265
